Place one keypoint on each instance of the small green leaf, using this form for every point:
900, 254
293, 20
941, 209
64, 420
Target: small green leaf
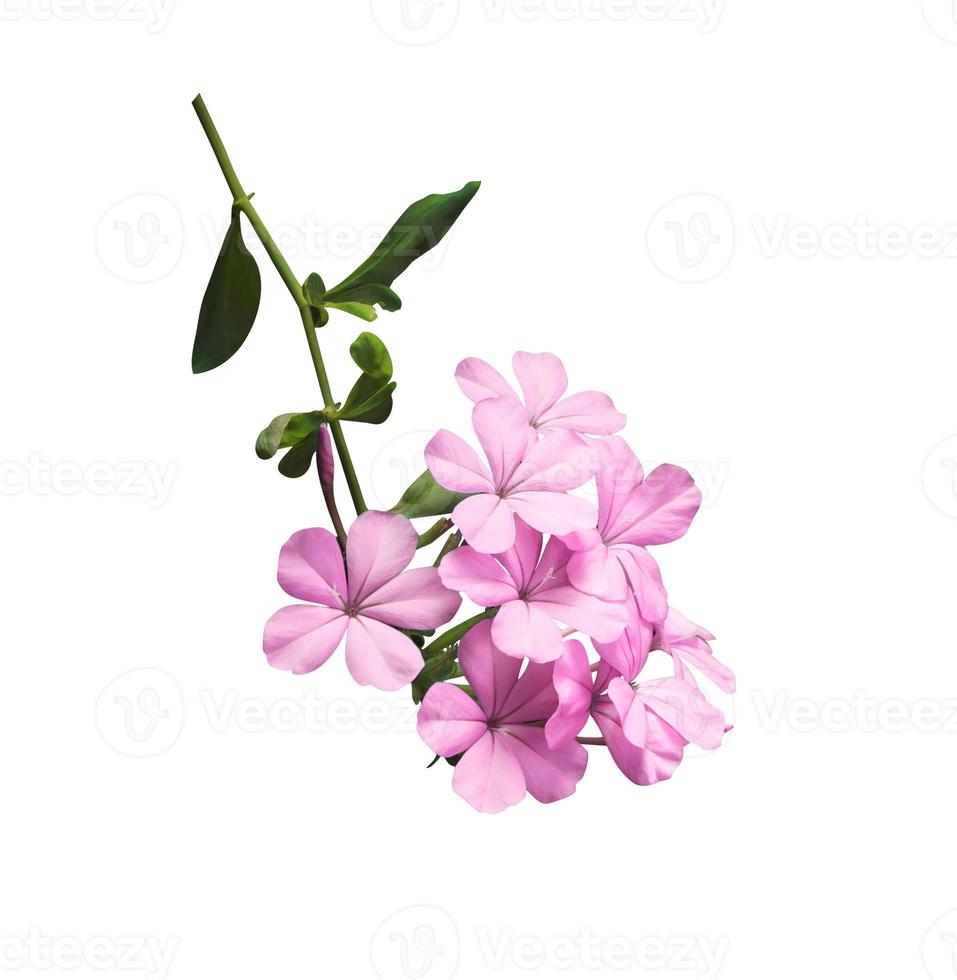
230, 303
287, 430
298, 461
372, 356
373, 294
420, 228
314, 289
369, 401
425, 498
362, 310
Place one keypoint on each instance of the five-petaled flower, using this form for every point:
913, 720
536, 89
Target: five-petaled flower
543, 381
501, 730
525, 477
534, 593
376, 596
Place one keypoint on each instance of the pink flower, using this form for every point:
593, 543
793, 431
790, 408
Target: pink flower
534, 593
524, 477
645, 726
688, 645
543, 381
506, 752
376, 595
632, 512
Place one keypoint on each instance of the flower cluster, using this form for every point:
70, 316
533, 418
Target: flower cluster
548, 570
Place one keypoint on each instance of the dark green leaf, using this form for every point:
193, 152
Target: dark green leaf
298, 461
230, 303
372, 356
287, 430
420, 228
425, 498
314, 289
320, 315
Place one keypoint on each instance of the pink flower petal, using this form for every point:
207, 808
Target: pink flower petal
695, 652
455, 465
310, 568
524, 629
479, 576
645, 766
552, 513
502, 428
629, 653
521, 560
487, 522
543, 381
662, 508
379, 546
479, 380
619, 475
644, 577
589, 412
302, 638
684, 708
600, 619
449, 721
598, 572
377, 654
416, 599
550, 774
489, 775
558, 462
573, 685
491, 674
532, 699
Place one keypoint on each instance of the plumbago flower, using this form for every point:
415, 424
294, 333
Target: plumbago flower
366, 604
534, 593
506, 694
543, 382
525, 477
501, 730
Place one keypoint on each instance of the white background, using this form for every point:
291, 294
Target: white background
808, 382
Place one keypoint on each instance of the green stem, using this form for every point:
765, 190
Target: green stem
434, 532
455, 634
335, 426
452, 542
242, 200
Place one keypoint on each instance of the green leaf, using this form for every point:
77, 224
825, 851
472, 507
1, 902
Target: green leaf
420, 228
230, 303
298, 461
362, 310
369, 401
372, 294
372, 356
287, 430
314, 289
425, 498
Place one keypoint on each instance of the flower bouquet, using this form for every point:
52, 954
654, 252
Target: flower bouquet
505, 694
